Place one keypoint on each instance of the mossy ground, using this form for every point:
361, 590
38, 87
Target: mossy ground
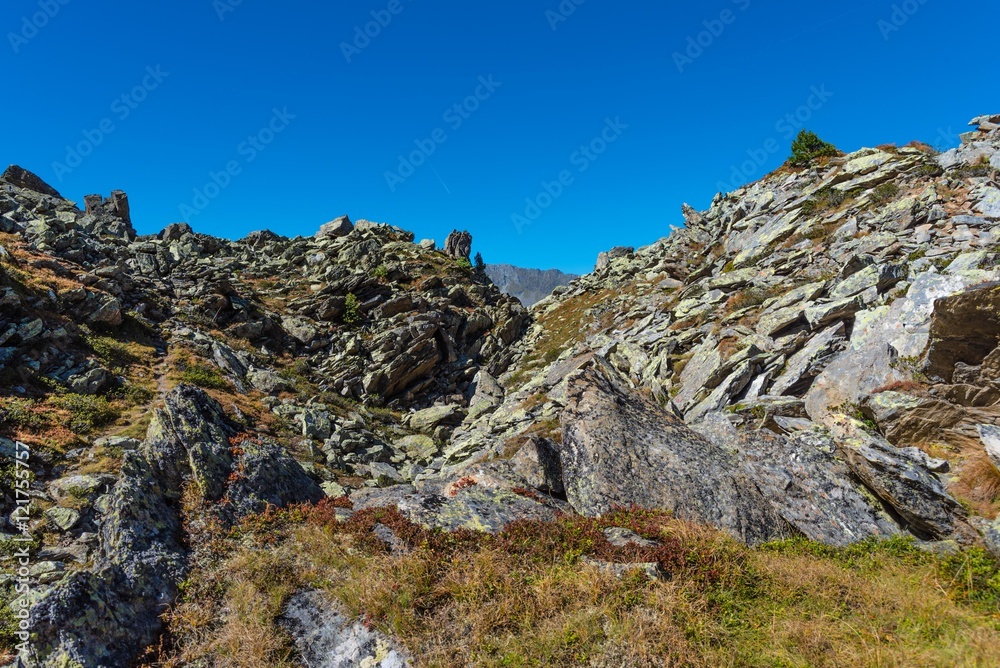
526, 597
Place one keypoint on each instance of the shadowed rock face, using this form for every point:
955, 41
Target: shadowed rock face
458, 245
965, 329
621, 450
22, 178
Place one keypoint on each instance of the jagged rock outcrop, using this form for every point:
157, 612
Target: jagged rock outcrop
107, 614
458, 245
791, 303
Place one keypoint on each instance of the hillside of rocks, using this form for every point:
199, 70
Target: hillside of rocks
528, 286
241, 443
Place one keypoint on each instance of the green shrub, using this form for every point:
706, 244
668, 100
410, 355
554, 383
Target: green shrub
885, 193
20, 413
135, 395
807, 147
205, 377
974, 576
86, 413
979, 170
352, 309
464, 263
112, 352
381, 272
825, 199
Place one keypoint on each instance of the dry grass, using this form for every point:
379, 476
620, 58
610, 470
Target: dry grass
525, 598
565, 325
979, 483
903, 387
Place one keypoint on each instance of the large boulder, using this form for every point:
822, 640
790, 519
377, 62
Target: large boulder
326, 638
807, 481
22, 178
339, 227
620, 450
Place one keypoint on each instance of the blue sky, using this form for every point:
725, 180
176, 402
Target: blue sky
578, 126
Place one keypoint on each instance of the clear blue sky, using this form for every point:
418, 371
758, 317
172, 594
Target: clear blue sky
689, 122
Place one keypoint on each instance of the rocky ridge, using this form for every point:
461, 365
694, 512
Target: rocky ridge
814, 356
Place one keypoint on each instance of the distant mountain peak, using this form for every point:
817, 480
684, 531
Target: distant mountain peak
530, 286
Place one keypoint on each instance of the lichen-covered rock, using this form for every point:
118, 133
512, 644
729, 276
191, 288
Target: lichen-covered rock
902, 478
620, 450
808, 482
108, 614
325, 638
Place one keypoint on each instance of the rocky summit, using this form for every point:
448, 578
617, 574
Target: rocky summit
353, 449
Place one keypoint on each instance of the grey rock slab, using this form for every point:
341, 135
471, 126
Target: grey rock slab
902, 479
881, 277
326, 638
618, 450
990, 436
820, 315
63, 519
809, 362
810, 485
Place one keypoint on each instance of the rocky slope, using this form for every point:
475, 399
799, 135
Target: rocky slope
529, 286
815, 357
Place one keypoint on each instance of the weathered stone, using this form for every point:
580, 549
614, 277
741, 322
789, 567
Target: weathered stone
325, 638
63, 519
810, 486
902, 479
316, 423
821, 315
538, 463
339, 227
990, 436
429, 418
458, 245
619, 450
806, 364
